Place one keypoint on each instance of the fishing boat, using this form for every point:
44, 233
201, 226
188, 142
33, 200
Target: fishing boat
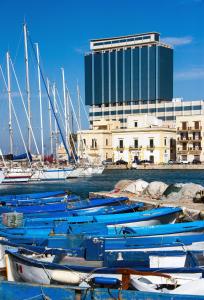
19, 291
43, 270
162, 215
33, 195
164, 229
64, 204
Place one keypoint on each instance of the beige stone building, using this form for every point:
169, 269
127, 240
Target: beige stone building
145, 138
96, 144
190, 134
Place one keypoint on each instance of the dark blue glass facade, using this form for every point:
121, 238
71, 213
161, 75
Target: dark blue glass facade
130, 74
97, 63
120, 75
105, 77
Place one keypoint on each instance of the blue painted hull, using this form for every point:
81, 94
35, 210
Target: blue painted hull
62, 206
40, 201
33, 195
19, 291
162, 215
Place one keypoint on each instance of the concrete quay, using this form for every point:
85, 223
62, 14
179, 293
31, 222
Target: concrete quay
158, 167
191, 210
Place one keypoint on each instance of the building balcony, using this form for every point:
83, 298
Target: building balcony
193, 129
120, 148
195, 151
182, 139
94, 148
180, 129
195, 139
182, 151
151, 148
135, 148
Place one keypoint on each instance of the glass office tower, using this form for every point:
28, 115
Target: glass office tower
130, 69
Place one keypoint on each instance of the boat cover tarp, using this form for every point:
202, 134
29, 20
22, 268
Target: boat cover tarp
23, 156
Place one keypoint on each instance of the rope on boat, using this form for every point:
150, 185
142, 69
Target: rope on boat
37, 297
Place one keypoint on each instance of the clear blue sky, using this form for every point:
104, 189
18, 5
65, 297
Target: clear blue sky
63, 29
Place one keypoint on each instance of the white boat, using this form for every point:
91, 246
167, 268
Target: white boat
191, 287
15, 175
51, 174
41, 269
85, 171
1, 176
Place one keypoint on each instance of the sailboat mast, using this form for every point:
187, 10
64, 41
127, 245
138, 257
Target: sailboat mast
9, 100
79, 106
27, 84
56, 131
40, 98
65, 107
50, 118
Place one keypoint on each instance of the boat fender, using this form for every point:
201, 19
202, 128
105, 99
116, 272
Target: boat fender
67, 277
105, 281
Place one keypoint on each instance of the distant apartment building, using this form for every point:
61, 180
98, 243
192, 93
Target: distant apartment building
190, 134
145, 138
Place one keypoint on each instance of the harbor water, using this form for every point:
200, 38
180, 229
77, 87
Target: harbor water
107, 181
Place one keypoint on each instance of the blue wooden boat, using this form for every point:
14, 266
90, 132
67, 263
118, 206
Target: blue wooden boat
33, 195
20, 291
44, 270
162, 215
61, 206
40, 201
98, 210
111, 293
159, 257
103, 229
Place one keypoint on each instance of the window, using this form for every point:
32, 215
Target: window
151, 158
94, 144
106, 142
120, 143
135, 124
165, 141
196, 124
151, 143
136, 143
184, 125
84, 142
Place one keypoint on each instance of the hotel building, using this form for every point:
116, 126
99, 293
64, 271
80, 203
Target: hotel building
132, 112
133, 75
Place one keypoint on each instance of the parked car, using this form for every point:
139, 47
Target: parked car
134, 164
107, 162
145, 161
184, 162
121, 162
196, 162
173, 162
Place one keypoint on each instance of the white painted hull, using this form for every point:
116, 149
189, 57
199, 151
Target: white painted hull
1, 176
193, 287
85, 172
51, 174
21, 271
16, 175
168, 219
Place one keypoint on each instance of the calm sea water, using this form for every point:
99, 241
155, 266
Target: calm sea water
106, 181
